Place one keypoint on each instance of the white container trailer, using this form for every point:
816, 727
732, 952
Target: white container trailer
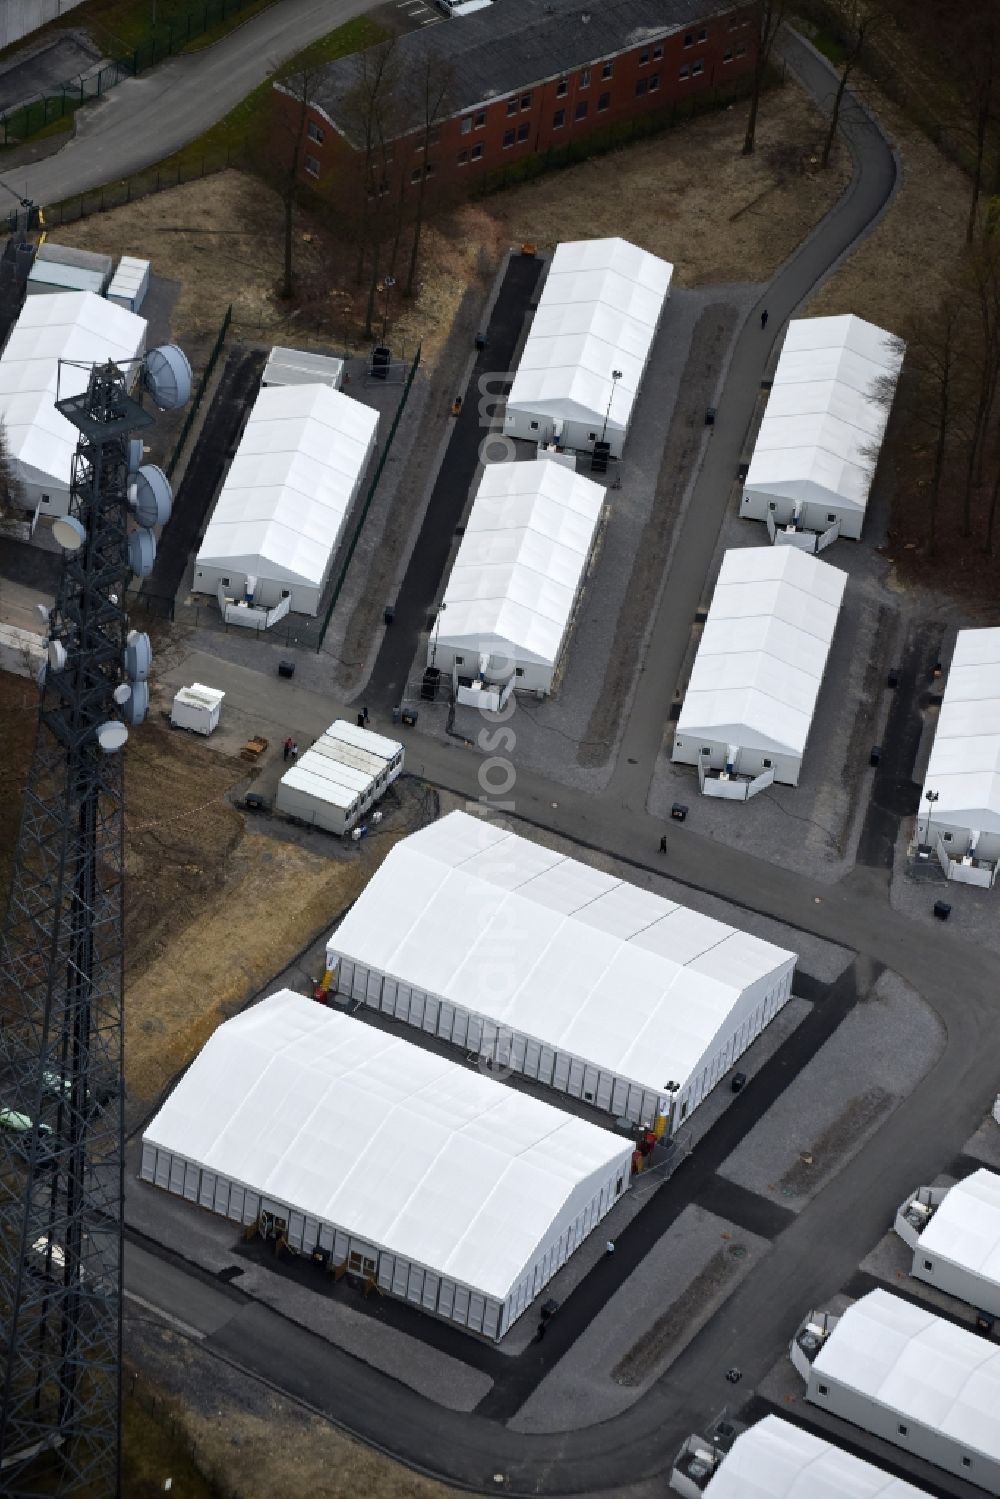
130, 283
339, 778
197, 708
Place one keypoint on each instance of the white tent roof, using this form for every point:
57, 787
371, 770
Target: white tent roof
525, 548
289, 488
964, 767
776, 1460
369, 1133
911, 1361
965, 1226
823, 425
763, 650
76, 326
554, 949
598, 312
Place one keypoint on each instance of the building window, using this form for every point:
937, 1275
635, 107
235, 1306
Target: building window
689, 39
703, 35
463, 157
696, 68
467, 125
561, 88
312, 166
459, 660
641, 85
508, 139
585, 78
415, 175
604, 101
830, 518
608, 71
512, 106
559, 119
534, 426
591, 436
522, 131
727, 56
581, 110
766, 764
741, 48
643, 59
519, 671
657, 53
685, 72
928, 1264
966, 1462
480, 120
525, 101
654, 83
315, 133
901, 1430
476, 153
946, 837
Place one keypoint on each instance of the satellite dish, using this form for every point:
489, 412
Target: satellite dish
168, 377
111, 735
136, 451
153, 496
138, 656
69, 532
122, 693
141, 553
57, 655
138, 704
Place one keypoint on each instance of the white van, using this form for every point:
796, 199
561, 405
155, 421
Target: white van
461, 7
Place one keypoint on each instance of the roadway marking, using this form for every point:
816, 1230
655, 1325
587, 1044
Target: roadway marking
149, 1306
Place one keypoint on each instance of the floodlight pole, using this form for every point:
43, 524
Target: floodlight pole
615, 377
931, 797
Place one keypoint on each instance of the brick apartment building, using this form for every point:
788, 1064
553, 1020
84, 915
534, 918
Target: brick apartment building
527, 77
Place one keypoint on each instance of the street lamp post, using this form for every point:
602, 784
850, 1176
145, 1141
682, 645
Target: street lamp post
387, 285
615, 377
932, 797
437, 631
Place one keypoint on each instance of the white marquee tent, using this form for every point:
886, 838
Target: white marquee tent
448, 1189
518, 574
917, 1381
959, 1250
776, 1460
76, 326
279, 516
964, 767
598, 312
760, 663
562, 972
340, 777
825, 419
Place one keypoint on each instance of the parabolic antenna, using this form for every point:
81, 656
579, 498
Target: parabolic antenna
136, 449
168, 377
141, 553
138, 656
138, 704
41, 674
122, 693
154, 498
111, 735
69, 532
57, 655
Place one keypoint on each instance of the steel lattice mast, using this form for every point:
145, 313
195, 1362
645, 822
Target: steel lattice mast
61, 992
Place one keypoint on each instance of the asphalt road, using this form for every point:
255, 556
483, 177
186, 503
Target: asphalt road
812, 1256
146, 118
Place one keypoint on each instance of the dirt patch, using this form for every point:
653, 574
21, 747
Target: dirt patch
680, 1319
711, 337
18, 714
839, 1139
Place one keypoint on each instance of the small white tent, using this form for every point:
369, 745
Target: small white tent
757, 675
954, 1233
517, 576
281, 511
964, 769
816, 451
597, 316
73, 326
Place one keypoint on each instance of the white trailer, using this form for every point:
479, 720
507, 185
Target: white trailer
339, 778
197, 708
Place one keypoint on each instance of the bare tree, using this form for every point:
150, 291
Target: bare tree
768, 18
432, 89
934, 347
287, 154
10, 489
980, 284
371, 108
982, 68
861, 19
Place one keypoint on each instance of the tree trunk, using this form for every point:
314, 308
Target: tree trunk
373, 287
938, 470
838, 100
994, 497
750, 139
286, 285
418, 223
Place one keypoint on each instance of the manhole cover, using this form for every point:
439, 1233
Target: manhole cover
738, 1251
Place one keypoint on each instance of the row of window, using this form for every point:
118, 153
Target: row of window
902, 1429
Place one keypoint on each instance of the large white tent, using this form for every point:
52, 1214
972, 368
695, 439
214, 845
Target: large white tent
443, 1186
598, 313
557, 970
517, 576
279, 516
776, 1460
760, 663
964, 768
915, 1380
958, 1249
72, 326
339, 778
818, 443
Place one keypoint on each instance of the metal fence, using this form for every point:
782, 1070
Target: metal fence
199, 394
28, 119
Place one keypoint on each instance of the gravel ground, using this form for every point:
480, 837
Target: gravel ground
693, 1269
890, 1262
819, 1116
984, 1145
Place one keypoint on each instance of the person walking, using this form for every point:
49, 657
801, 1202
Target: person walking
609, 1247
663, 844
294, 752
288, 747
763, 318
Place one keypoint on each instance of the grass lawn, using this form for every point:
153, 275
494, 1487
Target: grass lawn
119, 27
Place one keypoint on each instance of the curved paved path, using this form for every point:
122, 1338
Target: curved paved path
144, 119
818, 1252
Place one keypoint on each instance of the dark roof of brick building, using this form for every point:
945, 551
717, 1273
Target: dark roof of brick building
495, 52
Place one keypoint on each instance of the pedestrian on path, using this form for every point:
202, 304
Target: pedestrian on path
663, 844
763, 318
288, 747
609, 1247
294, 751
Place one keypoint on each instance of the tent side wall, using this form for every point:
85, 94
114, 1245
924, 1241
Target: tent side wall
688, 748
532, 676
268, 592
884, 1421
757, 1007
295, 802
956, 1280
957, 837
815, 515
